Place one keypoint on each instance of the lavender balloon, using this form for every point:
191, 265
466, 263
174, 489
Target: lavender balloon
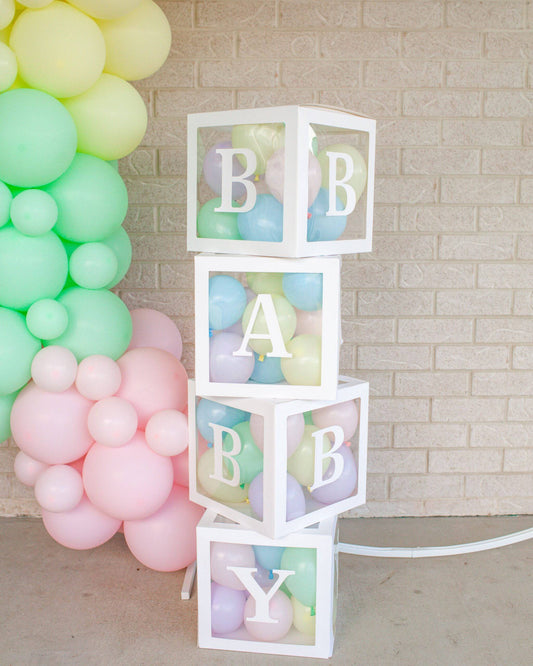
227, 608
295, 497
344, 486
223, 365
212, 169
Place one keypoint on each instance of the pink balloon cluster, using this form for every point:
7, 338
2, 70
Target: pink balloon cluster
104, 445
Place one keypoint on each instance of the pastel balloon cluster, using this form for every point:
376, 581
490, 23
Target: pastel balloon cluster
292, 606
300, 457
104, 445
297, 300
264, 222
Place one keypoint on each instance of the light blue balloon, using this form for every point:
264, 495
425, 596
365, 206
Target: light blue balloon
269, 557
321, 227
227, 301
264, 222
303, 290
267, 371
209, 411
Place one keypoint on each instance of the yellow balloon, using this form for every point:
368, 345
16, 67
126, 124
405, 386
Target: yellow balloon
8, 67
138, 43
358, 179
7, 12
301, 464
105, 9
35, 4
110, 118
303, 618
263, 140
216, 489
59, 49
305, 366
285, 314
265, 283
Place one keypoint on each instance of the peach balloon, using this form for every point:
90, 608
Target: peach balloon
27, 469
167, 432
154, 329
54, 368
59, 488
112, 421
308, 321
98, 377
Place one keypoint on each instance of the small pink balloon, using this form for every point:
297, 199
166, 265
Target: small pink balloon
112, 421
128, 482
59, 488
224, 555
152, 380
308, 322
167, 432
166, 540
275, 176
295, 431
279, 610
98, 377
51, 427
343, 414
81, 528
154, 329
54, 368
27, 469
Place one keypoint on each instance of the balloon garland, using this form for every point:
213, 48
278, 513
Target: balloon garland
94, 395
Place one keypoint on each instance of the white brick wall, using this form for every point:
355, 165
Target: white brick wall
439, 318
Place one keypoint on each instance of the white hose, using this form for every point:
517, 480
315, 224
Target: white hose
436, 551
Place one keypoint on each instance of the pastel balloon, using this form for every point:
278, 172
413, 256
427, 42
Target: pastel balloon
224, 555
27, 469
343, 414
137, 43
47, 319
92, 200
302, 584
303, 617
323, 227
81, 528
303, 290
103, 9
59, 488
223, 492
224, 366
17, 349
33, 212
7, 12
295, 431
279, 610
265, 283
227, 608
267, 369
353, 157
93, 265
264, 222
180, 464
268, 557
308, 322
166, 540
262, 139
301, 464
212, 170
210, 411
98, 323
59, 49
152, 328
167, 432
342, 487
6, 405
227, 300
110, 118
152, 380
54, 368
305, 365
8, 67
128, 482
217, 224
98, 377
6, 199
120, 243
112, 421
275, 176
285, 318
250, 458
37, 138
295, 498
35, 4
51, 427
31, 268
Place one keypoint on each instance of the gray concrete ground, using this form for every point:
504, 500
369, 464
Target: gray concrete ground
102, 607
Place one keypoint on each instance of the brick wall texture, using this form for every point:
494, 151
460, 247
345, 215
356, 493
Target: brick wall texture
438, 318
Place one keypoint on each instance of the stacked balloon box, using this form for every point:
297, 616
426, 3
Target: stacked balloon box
278, 440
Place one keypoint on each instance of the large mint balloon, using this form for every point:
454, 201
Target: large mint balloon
302, 584
37, 138
17, 349
250, 457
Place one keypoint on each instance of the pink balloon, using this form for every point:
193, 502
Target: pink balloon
54, 368
180, 465
275, 176
112, 421
127, 482
295, 431
82, 528
167, 432
59, 488
27, 469
343, 414
98, 377
154, 329
308, 322
280, 610
51, 427
152, 380
166, 540
224, 555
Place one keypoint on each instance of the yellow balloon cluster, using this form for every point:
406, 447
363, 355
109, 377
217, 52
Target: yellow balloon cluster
84, 53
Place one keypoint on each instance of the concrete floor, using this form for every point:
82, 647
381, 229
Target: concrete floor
102, 607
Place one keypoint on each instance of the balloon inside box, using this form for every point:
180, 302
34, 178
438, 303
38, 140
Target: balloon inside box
285, 181
279, 466
256, 594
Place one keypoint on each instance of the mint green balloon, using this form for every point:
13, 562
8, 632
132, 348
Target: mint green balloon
92, 200
93, 265
217, 225
5, 203
250, 458
38, 138
98, 323
33, 212
302, 584
47, 319
6, 404
31, 267
17, 349
120, 243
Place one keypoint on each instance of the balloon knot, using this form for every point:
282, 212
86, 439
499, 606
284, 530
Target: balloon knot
210, 332
256, 177
348, 443
242, 485
209, 445
247, 501
309, 488
271, 574
313, 611
309, 216
261, 358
